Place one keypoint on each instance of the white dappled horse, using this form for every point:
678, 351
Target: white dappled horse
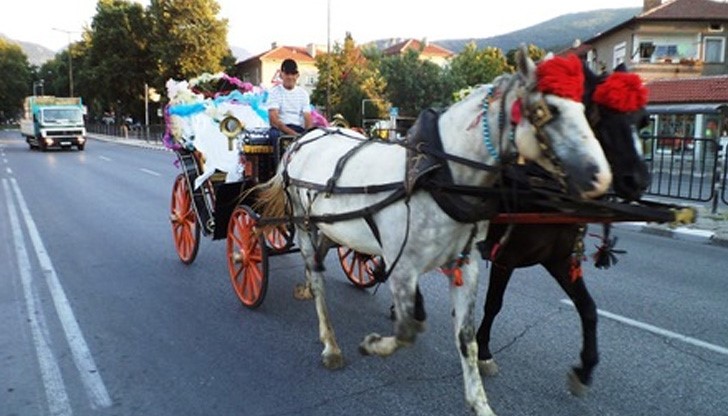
411, 232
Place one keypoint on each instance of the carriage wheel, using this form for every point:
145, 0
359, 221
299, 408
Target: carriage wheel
185, 229
280, 239
247, 258
359, 267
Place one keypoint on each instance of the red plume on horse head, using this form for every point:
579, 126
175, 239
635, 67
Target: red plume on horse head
561, 76
621, 91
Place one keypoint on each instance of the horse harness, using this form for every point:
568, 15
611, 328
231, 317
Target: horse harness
427, 168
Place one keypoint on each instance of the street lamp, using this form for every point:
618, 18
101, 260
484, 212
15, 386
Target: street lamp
70, 60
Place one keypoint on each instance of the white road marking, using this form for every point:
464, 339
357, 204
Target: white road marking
151, 172
105, 159
658, 331
58, 403
9, 171
85, 364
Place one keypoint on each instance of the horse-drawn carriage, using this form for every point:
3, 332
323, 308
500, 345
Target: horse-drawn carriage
223, 149
416, 205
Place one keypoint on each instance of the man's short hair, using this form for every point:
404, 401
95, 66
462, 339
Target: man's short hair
289, 66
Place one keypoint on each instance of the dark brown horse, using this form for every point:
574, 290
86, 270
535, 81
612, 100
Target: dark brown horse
615, 122
558, 247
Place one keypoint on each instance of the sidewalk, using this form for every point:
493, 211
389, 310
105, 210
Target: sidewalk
708, 228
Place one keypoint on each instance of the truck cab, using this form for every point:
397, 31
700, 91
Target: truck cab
50, 121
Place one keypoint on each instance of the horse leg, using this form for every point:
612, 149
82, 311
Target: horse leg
331, 356
420, 313
499, 278
580, 377
463, 301
403, 285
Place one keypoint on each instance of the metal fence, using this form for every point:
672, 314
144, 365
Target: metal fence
150, 133
691, 169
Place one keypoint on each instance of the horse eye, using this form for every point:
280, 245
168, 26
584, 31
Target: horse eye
554, 110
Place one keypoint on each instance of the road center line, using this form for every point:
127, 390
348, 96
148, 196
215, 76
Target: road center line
58, 403
151, 172
658, 331
85, 364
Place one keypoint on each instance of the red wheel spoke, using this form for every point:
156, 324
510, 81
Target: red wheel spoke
247, 258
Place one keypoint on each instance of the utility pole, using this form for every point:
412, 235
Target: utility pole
70, 59
328, 59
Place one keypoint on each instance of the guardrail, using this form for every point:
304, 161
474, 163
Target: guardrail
687, 168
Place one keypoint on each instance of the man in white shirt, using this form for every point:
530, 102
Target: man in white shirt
289, 106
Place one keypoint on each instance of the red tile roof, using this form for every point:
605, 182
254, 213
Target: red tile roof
675, 10
707, 89
280, 53
688, 10
430, 49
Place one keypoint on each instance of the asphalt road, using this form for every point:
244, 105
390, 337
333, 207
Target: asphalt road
99, 317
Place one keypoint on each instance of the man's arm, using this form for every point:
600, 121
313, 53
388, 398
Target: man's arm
307, 120
275, 121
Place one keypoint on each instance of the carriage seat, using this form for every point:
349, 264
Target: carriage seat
262, 143
258, 142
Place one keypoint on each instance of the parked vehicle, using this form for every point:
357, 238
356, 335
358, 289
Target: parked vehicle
50, 121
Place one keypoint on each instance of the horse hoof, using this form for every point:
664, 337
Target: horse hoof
365, 346
302, 291
488, 367
333, 361
576, 387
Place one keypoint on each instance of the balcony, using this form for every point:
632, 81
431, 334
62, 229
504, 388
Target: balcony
669, 68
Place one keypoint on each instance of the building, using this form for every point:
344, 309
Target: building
263, 69
428, 51
689, 107
670, 39
679, 48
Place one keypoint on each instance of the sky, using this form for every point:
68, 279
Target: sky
255, 25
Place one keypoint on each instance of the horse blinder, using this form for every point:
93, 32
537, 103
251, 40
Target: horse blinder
539, 113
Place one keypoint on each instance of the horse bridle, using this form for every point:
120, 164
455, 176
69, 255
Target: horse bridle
538, 113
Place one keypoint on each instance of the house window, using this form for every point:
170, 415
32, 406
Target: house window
665, 52
619, 54
646, 50
714, 49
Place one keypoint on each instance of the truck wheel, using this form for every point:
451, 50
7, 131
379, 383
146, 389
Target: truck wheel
80, 147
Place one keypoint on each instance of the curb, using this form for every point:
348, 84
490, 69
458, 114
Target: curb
679, 233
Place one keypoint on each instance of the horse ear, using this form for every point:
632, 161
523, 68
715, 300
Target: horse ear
525, 65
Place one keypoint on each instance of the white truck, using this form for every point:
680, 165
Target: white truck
50, 121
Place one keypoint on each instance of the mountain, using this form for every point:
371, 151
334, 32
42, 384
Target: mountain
37, 54
239, 53
552, 35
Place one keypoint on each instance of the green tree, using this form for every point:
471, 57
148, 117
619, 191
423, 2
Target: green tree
475, 66
114, 60
414, 84
188, 38
534, 52
15, 80
346, 78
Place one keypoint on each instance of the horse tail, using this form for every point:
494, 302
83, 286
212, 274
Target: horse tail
270, 198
